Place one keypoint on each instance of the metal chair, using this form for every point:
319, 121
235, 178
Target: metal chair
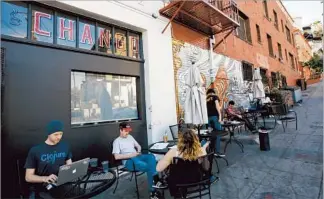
284, 114
24, 187
174, 131
195, 185
123, 169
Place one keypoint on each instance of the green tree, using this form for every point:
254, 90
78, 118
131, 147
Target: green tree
316, 62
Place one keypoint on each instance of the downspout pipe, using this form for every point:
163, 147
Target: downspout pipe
211, 51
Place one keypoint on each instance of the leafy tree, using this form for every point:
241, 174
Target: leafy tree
316, 62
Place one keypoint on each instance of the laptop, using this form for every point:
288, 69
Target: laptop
68, 173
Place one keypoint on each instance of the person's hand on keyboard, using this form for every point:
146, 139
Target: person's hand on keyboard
50, 179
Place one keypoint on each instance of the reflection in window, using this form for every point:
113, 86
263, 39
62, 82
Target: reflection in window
120, 42
101, 97
104, 39
86, 36
14, 19
133, 47
66, 31
42, 25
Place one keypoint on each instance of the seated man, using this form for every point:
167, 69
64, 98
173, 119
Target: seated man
126, 148
233, 114
44, 160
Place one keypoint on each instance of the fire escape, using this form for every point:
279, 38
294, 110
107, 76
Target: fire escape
209, 17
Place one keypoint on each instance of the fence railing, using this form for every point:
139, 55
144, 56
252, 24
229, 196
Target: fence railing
228, 7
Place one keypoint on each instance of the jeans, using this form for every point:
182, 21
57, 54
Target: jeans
247, 122
145, 163
214, 123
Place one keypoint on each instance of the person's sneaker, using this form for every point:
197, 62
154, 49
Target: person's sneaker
160, 185
214, 179
219, 154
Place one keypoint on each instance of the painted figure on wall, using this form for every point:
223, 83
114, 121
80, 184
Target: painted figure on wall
224, 75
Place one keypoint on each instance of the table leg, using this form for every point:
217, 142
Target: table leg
239, 144
229, 141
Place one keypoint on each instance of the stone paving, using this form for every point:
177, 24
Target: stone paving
292, 169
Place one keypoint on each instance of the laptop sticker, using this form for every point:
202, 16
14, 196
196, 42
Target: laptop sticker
65, 168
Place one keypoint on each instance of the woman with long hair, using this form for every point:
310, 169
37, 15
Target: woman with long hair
188, 149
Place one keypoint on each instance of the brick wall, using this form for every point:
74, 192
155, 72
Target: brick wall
255, 52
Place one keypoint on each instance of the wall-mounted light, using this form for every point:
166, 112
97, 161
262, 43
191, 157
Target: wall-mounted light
154, 16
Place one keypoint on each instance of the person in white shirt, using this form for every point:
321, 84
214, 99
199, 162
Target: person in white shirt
127, 149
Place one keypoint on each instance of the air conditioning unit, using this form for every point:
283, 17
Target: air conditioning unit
280, 59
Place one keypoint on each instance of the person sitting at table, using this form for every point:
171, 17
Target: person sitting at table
127, 149
44, 160
233, 114
214, 117
188, 148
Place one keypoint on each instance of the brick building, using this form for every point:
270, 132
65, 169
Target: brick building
261, 37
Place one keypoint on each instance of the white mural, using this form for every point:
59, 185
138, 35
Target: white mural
225, 74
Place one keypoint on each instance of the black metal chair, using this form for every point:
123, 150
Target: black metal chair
174, 131
120, 169
284, 114
24, 187
190, 179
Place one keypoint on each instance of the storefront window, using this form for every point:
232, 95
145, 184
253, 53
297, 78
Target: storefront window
42, 25
14, 19
66, 31
104, 39
87, 36
120, 42
133, 45
101, 97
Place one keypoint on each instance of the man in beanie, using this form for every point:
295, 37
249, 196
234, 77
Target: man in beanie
44, 160
126, 148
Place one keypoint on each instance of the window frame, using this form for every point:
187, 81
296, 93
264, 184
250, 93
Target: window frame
282, 26
247, 70
270, 45
279, 50
92, 122
288, 35
245, 24
276, 23
292, 61
265, 8
274, 79
258, 33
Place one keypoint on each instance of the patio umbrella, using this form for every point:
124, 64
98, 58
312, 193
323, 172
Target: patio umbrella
258, 89
195, 108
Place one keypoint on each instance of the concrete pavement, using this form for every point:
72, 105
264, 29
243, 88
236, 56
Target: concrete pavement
292, 169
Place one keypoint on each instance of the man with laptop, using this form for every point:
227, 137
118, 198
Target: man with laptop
44, 160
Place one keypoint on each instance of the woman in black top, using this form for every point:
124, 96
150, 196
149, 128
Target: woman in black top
214, 116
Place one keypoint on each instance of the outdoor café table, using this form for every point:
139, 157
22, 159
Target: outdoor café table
211, 135
164, 150
230, 126
95, 182
254, 113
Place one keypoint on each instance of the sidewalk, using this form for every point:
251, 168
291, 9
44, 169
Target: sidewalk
292, 169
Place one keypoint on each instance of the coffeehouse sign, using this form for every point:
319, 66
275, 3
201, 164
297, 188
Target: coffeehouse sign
68, 31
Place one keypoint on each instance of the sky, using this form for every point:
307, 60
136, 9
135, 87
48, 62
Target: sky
310, 10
